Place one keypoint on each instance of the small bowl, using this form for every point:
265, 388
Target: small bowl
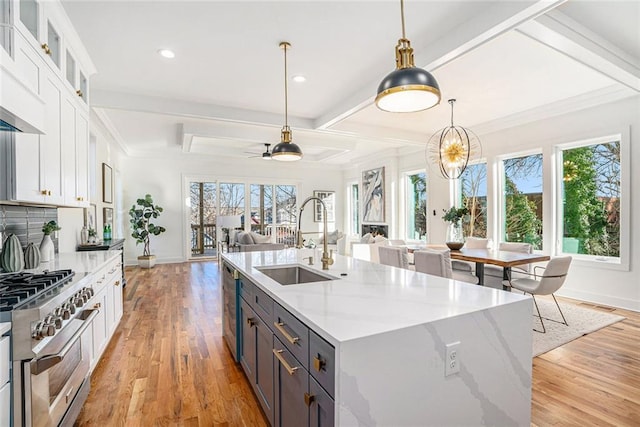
455, 246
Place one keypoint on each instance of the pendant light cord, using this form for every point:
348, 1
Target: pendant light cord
286, 106
452, 101
402, 16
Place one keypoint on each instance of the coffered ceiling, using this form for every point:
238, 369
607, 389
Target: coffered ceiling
506, 63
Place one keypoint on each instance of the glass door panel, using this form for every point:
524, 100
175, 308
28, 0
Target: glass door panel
203, 219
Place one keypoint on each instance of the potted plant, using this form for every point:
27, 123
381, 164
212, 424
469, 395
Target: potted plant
47, 249
455, 239
142, 228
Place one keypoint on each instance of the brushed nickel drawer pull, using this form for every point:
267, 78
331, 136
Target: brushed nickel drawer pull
290, 370
287, 335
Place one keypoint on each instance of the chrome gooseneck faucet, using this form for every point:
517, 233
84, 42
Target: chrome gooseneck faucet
326, 257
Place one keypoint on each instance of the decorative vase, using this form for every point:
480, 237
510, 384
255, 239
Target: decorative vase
31, 256
455, 239
12, 258
47, 250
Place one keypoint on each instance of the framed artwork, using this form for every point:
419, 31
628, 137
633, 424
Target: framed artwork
373, 195
328, 197
107, 215
90, 217
107, 184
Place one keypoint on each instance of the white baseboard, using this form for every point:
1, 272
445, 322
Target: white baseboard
173, 260
625, 303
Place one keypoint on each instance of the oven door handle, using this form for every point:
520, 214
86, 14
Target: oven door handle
40, 365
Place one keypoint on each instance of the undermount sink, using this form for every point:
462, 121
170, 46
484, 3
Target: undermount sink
294, 274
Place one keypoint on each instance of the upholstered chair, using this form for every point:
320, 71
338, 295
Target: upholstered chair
552, 279
438, 263
394, 256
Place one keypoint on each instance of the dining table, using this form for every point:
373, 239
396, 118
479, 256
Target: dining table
504, 259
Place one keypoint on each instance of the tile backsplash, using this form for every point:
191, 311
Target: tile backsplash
26, 222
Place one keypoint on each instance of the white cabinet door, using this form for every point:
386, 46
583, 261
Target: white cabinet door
68, 137
28, 176
99, 325
5, 405
50, 144
82, 159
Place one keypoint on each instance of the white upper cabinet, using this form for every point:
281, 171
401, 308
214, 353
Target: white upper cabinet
47, 63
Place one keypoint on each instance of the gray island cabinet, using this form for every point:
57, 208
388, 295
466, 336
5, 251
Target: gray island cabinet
374, 345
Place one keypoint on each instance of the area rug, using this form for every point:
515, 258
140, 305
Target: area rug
582, 321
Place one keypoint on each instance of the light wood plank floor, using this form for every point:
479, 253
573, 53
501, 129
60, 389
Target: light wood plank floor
167, 364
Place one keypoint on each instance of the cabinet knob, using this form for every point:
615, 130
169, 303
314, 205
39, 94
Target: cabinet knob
97, 305
80, 199
117, 283
79, 92
309, 399
43, 192
318, 363
48, 192
250, 322
46, 49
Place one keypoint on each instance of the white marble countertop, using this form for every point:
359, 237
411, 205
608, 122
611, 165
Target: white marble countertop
5, 327
79, 262
371, 299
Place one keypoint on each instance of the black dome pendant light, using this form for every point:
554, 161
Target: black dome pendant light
408, 88
285, 150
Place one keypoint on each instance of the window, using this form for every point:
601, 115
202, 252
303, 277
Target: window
5, 25
416, 200
522, 201
202, 218
473, 192
281, 216
232, 200
29, 16
354, 208
590, 199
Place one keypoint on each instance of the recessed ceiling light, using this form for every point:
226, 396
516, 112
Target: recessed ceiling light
167, 53
299, 79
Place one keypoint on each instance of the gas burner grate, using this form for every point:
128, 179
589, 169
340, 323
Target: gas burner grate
18, 288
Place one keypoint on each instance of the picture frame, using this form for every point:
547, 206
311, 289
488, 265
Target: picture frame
107, 183
90, 217
373, 197
328, 197
107, 216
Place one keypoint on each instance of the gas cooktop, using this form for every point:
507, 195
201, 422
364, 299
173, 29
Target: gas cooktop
19, 288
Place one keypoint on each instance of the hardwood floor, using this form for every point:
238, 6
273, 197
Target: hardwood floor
167, 364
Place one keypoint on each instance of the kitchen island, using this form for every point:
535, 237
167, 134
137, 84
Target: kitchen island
407, 348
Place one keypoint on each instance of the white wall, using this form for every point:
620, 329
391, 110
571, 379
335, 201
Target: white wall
163, 179
590, 281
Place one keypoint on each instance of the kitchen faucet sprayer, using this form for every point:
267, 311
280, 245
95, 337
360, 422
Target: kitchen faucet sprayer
326, 259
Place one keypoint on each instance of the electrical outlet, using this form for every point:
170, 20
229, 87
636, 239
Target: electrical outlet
452, 359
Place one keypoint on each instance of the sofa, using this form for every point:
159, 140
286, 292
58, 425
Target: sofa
250, 241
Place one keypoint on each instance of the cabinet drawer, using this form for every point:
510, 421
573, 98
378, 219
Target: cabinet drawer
4, 360
5, 405
322, 362
246, 289
293, 333
262, 304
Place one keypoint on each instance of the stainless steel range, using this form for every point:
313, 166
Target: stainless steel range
51, 340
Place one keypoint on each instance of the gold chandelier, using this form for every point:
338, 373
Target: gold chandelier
452, 148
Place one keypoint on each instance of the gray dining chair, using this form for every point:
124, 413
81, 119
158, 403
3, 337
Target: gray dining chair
493, 274
438, 263
394, 256
552, 279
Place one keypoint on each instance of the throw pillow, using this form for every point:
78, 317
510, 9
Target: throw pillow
332, 238
367, 238
379, 239
259, 238
244, 238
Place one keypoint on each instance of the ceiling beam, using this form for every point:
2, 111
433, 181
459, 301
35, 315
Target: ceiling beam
176, 107
566, 36
500, 18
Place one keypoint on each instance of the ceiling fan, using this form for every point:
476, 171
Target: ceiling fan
265, 156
